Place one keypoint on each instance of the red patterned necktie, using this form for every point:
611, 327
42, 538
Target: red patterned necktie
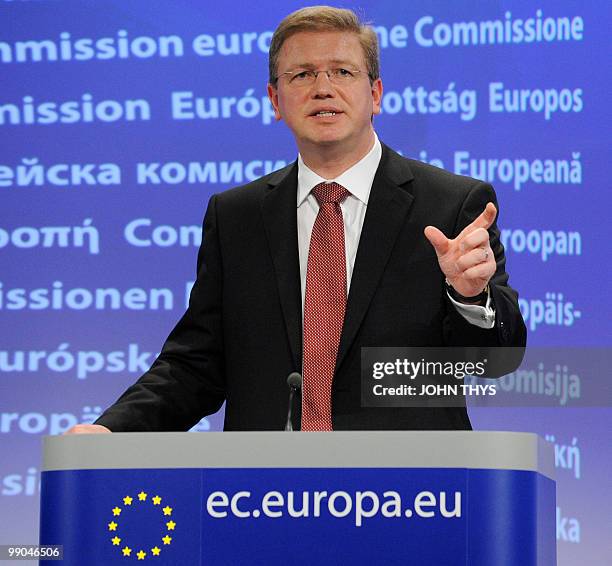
324, 306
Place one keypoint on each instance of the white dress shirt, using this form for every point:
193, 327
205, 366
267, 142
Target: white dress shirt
358, 181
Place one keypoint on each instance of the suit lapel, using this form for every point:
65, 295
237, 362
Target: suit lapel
388, 206
279, 210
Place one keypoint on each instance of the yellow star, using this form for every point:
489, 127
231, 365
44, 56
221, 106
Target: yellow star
126, 551
142, 496
141, 555
116, 511
170, 525
156, 500
127, 500
167, 510
166, 539
116, 541
155, 550
112, 526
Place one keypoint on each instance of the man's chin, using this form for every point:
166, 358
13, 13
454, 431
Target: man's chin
327, 139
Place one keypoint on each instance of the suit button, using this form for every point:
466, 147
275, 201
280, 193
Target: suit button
504, 331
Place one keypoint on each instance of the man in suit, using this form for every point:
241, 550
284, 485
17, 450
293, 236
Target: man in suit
365, 261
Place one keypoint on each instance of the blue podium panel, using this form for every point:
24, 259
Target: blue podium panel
268, 514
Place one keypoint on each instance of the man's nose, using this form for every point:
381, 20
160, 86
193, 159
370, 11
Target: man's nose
323, 85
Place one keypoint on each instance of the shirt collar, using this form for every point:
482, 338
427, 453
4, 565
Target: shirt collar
357, 180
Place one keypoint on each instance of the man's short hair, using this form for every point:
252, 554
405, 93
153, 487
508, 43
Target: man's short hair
325, 18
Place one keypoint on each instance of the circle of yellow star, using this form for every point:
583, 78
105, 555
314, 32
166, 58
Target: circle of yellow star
113, 526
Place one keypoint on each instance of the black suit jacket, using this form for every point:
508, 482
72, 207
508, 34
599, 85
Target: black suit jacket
242, 333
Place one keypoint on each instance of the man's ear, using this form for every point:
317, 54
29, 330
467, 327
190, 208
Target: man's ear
273, 96
377, 93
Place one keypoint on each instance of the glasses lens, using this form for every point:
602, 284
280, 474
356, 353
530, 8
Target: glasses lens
341, 75
307, 77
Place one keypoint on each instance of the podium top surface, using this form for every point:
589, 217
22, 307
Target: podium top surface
354, 449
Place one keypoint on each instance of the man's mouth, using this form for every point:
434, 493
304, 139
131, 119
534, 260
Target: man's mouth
326, 113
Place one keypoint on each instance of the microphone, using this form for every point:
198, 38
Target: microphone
294, 381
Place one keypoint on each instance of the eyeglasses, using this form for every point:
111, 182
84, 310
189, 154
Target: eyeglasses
307, 77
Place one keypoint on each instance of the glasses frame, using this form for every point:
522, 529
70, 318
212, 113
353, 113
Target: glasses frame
316, 72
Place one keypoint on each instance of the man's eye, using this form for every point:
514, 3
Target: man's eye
302, 75
344, 73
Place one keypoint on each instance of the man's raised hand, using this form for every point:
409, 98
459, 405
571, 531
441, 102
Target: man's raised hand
467, 261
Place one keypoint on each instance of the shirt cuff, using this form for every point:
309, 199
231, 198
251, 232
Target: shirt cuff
483, 317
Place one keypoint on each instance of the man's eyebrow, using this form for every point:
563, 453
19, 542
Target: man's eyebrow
342, 62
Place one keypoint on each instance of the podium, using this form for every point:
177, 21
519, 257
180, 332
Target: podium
431, 498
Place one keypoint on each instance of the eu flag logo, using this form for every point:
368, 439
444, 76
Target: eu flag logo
137, 508
124, 516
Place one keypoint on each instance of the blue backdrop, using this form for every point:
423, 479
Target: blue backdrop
118, 121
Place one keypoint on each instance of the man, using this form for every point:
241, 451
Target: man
271, 290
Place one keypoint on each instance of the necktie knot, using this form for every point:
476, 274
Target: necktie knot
329, 192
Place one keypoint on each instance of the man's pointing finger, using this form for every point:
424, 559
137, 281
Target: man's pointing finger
484, 220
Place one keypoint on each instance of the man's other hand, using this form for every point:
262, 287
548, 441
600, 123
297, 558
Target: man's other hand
467, 261
88, 429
